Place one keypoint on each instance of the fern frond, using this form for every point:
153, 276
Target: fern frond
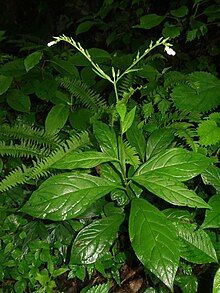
172, 78
183, 131
14, 178
126, 84
40, 167
29, 134
27, 150
131, 154
86, 96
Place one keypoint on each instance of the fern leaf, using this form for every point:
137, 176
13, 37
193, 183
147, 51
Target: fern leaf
24, 149
29, 134
183, 131
16, 177
131, 154
86, 96
126, 83
40, 167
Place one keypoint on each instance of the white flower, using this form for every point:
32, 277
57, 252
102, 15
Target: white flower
51, 43
170, 51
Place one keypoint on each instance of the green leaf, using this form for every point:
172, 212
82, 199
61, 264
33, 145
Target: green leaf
18, 101
200, 95
191, 35
103, 288
14, 68
42, 277
211, 176
93, 241
150, 20
196, 246
66, 196
109, 172
121, 109
106, 138
188, 284
84, 27
45, 89
209, 132
170, 190
65, 67
59, 272
128, 120
159, 141
154, 240
177, 214
180, 12
171, 31
31, 60
216, 283
136, 139
212, 217
88, 76
56, 118
80, 118
87, 159
5, 82
177, 163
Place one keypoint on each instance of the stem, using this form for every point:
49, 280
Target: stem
116, 91
139, 59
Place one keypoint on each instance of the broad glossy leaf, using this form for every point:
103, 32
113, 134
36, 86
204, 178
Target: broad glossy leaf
159, 141
177, 163
5, 82
196, 245
212, 217
109, 172
66, 196
177, 214
171, 190
211, 176
56, 118
107, 138
216, 284
31, 60
87, 159
93, 241
136, 139
154, 240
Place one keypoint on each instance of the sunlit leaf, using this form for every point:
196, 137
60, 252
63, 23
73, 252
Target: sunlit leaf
154, 240
66, 196
93, 241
